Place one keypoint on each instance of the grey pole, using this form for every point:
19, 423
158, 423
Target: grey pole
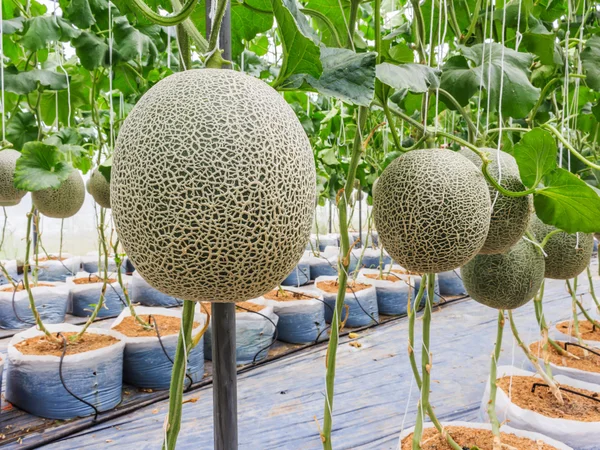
223, 324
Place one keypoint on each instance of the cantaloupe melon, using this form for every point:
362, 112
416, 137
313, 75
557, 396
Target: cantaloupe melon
213, 186
432, 210
510, 215
506, 280
9, 195
64, 201
99, 188
568, 254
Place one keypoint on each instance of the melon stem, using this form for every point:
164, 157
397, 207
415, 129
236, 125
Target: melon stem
491, 409
592, 291
424, 406
534, 361
412, 314
572, 290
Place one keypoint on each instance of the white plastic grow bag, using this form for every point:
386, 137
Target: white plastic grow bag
89, 263
570, 372
82, 297
51, 303
300, 321
33, 382
144, 294
322, 265
145, 363
13, 272
326, 240
392, 296
450, 283
253, 335
55, 270
503, 429
372, 258
559, 335
362, 305
415, 281
579, 435
300, 275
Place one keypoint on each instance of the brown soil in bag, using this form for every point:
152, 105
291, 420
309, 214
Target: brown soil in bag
51, 258
21, 287
286, 296
331, 286
589, 363
246, 305
386, 277
586, 329
542, 401
40, 345
472, 438
92, 279
167, 325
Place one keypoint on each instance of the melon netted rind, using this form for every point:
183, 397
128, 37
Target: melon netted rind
432, 210
64, 201
99, 188
506, 280
9, 195
510, 215
213, 186
567, 254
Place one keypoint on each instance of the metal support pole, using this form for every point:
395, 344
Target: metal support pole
223, 323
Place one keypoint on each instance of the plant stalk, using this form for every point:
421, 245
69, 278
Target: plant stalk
491, 409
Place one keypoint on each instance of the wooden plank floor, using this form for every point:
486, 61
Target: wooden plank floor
278, 401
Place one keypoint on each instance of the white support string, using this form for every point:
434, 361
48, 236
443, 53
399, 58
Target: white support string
169, 47
111, 118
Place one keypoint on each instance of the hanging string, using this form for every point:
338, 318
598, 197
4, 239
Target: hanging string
489, 77
565, 85
110, 79
518, 36
2, 72
485, 25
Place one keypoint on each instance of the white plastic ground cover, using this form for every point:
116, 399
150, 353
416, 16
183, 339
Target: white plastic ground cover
321, 265
51, 303
33, 382
144, 294
89, 263
450, 283
145, 363
253, 335
55, 270
300, 274
392, 296
576, 374
504, 429
362, 305
82, 297
579, 435
300, 321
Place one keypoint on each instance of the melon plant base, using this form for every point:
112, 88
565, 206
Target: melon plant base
280, 399
21, 430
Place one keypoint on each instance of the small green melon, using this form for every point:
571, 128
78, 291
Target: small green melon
9, 195
510, 215
432, 210
568, 254
64, 201
505, 280
99, 188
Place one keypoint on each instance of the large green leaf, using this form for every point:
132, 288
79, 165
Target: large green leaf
22, 83
500, 64
41, 166
91, 50
541, 42
590, 57
248, 19
80, 13
568, 203
21, 128
38, 31
337, 14
536, 156
416, 78
106, 167
301, 53
131, 43
347, 75
13, 25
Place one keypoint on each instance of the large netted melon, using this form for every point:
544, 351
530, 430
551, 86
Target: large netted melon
99, 188
506, 280
9, 195
510, 215
567, 254
213, 186
63, 201
432, 210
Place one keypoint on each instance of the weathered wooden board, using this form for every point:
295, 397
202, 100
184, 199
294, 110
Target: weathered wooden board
278, 401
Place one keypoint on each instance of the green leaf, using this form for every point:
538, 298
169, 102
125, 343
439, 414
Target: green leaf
416, 78
247, 21
21, 128
402, 53
338, 13
43, 29
536, 156
91, 50
541, 42
568, 203
13, 25
105, 168
301, 53
347, 76
131, 43
79, 156
22, 83
590, 57
40, 166
499, 63
80, 13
